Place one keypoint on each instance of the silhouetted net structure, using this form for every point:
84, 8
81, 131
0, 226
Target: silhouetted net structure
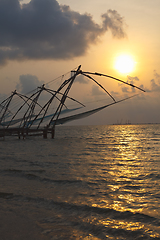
38, 112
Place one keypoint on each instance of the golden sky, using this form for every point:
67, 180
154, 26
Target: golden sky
47, 38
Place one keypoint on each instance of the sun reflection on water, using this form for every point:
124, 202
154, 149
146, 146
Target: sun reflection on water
125, 171
123, 224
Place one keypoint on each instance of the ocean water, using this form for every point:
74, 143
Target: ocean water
90, 182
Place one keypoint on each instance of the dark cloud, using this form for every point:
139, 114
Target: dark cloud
43, 29
115, 22
28, 83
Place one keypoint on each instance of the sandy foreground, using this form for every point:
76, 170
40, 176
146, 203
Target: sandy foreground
15, 226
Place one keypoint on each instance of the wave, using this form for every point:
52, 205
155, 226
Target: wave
108, 212
82, 217
6, 195
153, 176
30, 175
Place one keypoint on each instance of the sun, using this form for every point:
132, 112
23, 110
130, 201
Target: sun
124, 64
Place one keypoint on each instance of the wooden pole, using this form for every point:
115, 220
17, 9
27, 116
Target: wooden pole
53, 132
45, 133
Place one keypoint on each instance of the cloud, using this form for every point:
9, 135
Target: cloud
81, 79
28, 83
131, 80
125, 89
154, 86
115, 22
114, 93
97, 91
154, 83
43, 29
157, 76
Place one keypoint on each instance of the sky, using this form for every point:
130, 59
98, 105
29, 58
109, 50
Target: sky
43, 39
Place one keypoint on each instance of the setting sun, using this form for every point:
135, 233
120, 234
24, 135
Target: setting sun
124, 64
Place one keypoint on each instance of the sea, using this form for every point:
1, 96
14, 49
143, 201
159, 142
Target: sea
89, 182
